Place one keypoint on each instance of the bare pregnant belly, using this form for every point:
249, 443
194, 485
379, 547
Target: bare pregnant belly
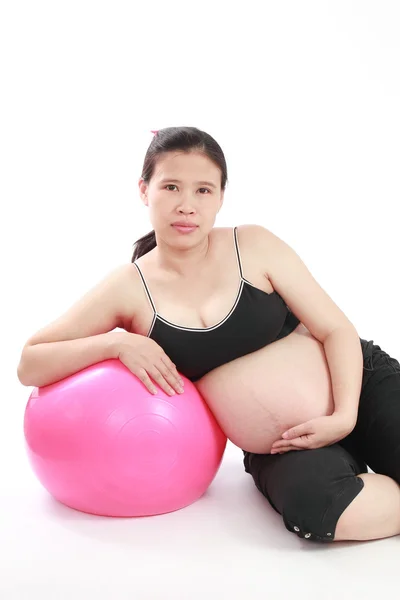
257, 397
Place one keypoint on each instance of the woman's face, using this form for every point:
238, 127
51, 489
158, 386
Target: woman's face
184, 187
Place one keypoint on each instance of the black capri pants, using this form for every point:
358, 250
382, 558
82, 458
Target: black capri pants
312, 488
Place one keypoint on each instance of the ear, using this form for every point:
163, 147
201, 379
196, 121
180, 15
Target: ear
143, 187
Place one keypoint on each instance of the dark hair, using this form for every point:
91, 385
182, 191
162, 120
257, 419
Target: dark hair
186, 139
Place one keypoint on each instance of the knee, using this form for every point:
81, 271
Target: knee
303, 509
314, 499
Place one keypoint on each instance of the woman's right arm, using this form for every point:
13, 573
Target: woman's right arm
83, 335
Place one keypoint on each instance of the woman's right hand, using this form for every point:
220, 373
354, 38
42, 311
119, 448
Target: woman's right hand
147, 360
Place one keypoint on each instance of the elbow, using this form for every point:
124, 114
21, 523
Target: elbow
23, 371
346, 328
22, 375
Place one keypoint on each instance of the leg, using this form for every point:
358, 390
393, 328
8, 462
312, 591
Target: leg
376, 440
374, 514
309, 488
328, 491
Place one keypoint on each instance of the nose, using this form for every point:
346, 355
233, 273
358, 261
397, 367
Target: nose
186, 210
186, 206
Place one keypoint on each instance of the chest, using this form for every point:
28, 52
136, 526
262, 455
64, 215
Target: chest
204, 299
200, 304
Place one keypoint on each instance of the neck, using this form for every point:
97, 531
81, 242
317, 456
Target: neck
184, 262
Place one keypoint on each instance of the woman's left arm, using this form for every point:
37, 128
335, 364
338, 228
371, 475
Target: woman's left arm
345, 360
323, 318
344, 356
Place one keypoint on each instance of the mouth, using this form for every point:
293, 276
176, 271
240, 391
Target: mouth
185, 228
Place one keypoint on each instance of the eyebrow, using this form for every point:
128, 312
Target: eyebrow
165, 180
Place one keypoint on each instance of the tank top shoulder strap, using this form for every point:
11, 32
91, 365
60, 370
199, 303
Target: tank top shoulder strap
238, 253
146, 288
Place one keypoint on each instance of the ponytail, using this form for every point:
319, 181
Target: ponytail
144, 244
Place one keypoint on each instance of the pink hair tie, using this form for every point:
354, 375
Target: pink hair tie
155, 131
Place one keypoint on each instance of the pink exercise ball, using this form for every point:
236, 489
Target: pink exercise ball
101, 443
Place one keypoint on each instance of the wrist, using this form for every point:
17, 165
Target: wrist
115, 341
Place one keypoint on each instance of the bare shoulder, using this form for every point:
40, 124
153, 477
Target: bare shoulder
266, 252
259, 242
257, 233
257, 238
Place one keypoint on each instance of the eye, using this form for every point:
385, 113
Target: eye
173, 185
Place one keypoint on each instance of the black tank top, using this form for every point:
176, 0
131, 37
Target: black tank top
256, 319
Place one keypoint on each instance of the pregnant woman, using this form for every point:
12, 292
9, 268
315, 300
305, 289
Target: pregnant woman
280, 365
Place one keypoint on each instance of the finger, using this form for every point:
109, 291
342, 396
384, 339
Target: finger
160, 380
299, 430
303, 442
298, 443
280, 447
282, 444
142, 374
171, 375
172, 367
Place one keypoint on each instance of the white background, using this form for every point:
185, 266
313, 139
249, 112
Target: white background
304, 99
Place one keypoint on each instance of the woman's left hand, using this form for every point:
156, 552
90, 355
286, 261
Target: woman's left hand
317, 433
